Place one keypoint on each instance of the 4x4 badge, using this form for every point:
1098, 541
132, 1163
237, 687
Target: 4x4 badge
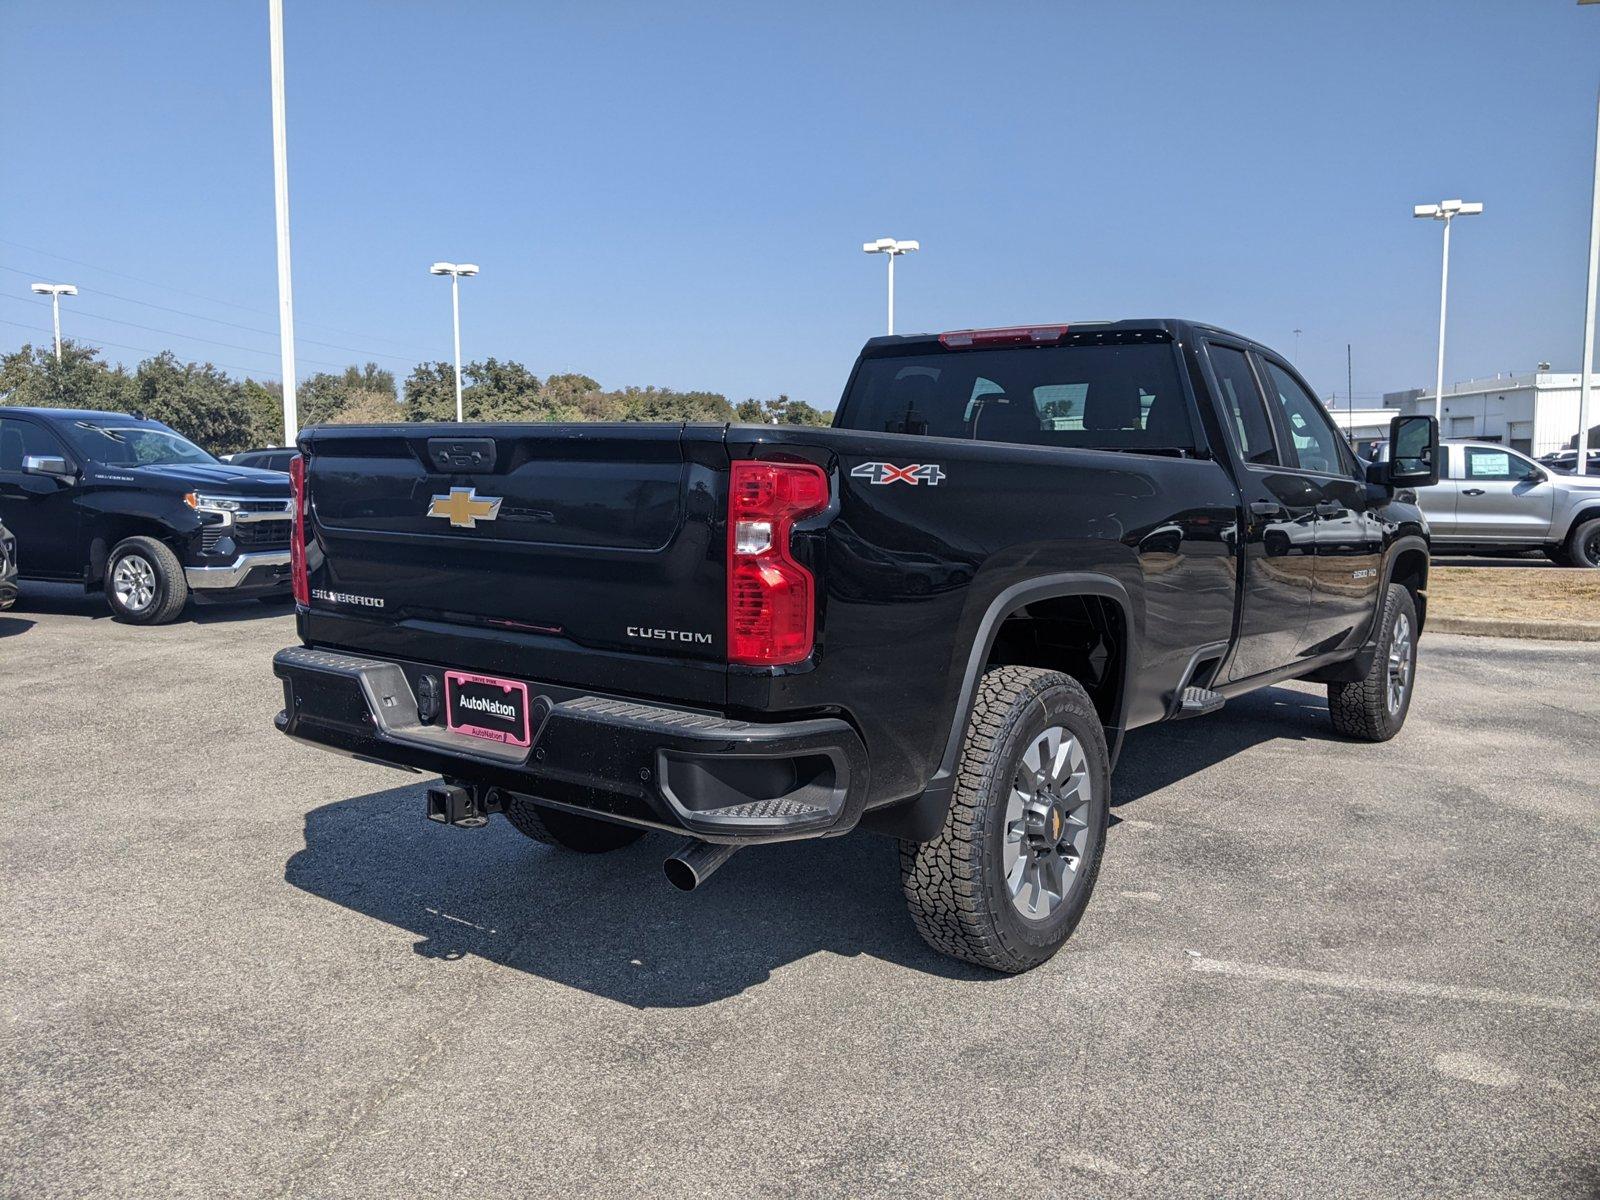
882, 472
464, 508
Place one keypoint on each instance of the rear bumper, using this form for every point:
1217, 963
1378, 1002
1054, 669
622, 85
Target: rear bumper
264, 570
644, 764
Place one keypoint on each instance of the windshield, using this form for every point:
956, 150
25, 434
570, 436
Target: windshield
1099, 397
133, 445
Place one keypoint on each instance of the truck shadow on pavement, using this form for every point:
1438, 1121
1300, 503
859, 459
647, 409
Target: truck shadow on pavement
1162, 755
612, 925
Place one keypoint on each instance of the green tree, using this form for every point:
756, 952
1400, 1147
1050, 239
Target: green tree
32, 376
263, 404
798, 412
751, 412
492, 390
663, 404
325, 396
196, 399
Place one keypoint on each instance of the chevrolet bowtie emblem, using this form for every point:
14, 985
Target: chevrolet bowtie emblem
464, 508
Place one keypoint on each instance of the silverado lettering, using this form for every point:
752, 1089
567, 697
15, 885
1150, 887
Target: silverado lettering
1138, 537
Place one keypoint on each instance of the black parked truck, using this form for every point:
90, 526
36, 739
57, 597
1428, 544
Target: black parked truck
119, 503
936, 620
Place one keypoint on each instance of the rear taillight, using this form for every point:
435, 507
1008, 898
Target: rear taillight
771, 597
297, 536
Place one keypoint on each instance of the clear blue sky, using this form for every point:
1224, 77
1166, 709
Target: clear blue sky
677, 194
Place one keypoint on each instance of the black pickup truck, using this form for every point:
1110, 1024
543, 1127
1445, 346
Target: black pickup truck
937, 620
118, 502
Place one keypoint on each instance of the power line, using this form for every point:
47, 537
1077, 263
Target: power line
243, 371
261, 312
83, 312
219, 321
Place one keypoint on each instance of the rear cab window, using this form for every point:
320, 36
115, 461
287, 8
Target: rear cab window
1096, 394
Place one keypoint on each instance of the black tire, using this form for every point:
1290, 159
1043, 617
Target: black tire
557, 827
956, 884
167, 592
1365, 711
1583, 546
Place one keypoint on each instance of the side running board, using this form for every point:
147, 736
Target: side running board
1197, 702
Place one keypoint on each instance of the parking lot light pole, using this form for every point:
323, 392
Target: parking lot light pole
1586, 363
893, 249
280, 208
1446, 211
455, 271
57, 290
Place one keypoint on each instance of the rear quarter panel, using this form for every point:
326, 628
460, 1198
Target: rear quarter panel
907, 572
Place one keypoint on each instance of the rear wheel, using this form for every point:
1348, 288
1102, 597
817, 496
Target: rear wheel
557, 827
144, 582
1006, 881
1583, 547
1374, 709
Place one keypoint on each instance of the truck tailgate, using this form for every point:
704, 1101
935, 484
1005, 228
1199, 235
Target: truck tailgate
514, 546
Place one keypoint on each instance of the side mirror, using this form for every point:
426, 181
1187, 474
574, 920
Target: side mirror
1413, 452
47, 464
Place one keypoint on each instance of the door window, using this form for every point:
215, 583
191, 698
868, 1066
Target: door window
19, 439
1497, 466
1312, 437
1242, 404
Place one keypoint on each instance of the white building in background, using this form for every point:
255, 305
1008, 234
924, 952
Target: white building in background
1362, 424
1535, 413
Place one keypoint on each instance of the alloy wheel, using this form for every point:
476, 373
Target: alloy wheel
1400, 655
134, 582
1047, 823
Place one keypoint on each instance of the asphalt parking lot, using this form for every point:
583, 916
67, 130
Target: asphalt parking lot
239, 967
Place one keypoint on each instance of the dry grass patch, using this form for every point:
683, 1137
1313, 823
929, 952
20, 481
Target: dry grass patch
1515, 593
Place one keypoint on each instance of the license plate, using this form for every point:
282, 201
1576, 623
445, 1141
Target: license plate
482, 706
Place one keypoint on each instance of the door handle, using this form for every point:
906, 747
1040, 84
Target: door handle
1267, 508
1472, 491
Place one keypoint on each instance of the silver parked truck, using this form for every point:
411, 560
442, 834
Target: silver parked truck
1491, 498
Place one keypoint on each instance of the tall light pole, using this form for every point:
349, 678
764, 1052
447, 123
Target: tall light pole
57, 290
280, 202
1587, 362
455, 271
1297, 347
1446, 211
893, 249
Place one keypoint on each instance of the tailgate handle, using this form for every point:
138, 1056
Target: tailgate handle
456, 456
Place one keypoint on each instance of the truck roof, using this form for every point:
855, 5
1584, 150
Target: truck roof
1176, 326
76, 414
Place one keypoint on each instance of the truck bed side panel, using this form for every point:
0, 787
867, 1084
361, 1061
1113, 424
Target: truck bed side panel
909, 572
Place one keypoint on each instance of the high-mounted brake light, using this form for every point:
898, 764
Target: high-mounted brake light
771, 597
297, 535
1016, 335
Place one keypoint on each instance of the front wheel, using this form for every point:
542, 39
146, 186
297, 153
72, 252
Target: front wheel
1374, 709
1583, 547
144, 582
1007, 879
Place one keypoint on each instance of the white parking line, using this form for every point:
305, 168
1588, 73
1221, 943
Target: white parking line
1398, 987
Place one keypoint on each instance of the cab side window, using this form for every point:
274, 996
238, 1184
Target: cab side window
1495, 466
1242, 405
20, 438
1312, 437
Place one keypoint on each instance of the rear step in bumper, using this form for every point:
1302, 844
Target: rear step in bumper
718, 779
